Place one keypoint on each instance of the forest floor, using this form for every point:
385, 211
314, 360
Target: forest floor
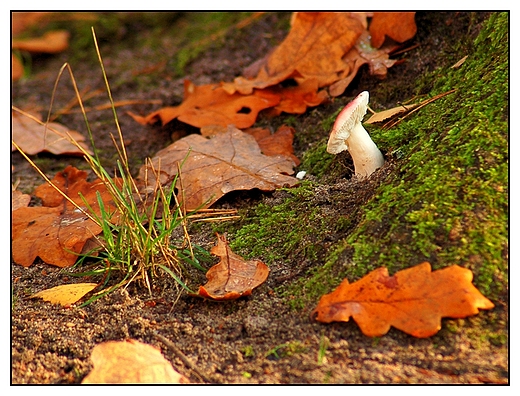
262, 338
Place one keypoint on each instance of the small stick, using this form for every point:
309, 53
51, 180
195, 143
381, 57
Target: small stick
183, 357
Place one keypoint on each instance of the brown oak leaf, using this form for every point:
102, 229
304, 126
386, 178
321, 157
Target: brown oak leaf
413, 300
214, 167
232, 277
314, 48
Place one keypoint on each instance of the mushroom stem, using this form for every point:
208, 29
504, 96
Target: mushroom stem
365, 154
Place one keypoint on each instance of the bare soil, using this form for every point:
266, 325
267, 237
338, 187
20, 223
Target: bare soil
254, 340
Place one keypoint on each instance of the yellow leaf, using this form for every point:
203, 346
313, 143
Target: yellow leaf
130, 362
65, 294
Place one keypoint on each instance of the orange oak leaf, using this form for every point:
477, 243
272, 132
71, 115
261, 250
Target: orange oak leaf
399, 26
296, 99
211, 105
413, 300
314, 48
232, 277
58, 231
130, 362
214, 167
33, 137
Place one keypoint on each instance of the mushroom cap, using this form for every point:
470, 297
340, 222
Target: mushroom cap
347, 120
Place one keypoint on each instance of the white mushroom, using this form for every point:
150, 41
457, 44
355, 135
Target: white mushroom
348, 134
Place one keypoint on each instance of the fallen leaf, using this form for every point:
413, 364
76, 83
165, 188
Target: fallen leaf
50, 43
314, 48
65, 294
214, 167
413, 300
399, 26
278, 143
130, 362
232, 277
211, 105
58, 231
296, 99
33, 137
389, 113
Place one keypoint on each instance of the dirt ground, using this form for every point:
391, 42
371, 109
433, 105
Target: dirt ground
259, 339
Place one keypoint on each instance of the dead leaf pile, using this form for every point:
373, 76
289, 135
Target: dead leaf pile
322, 49
232, 277
57, 231
413, 300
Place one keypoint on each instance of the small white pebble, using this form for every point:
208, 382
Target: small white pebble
301, 174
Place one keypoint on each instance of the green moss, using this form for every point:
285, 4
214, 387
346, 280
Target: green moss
447, 202
273, 232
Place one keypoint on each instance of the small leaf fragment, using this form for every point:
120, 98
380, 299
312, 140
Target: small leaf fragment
65, 294
412, 300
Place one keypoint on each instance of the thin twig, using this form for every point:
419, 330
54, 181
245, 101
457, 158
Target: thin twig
183, 357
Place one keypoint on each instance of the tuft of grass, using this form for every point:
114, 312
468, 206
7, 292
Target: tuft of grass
136, 239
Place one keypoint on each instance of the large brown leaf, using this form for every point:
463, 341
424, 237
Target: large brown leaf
213, 167
413, 300
57, 231
314, 48
232, 277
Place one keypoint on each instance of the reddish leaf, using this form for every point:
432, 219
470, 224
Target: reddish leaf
399, 26
58, 231
232, 277
212, 105
213, 167
413, 300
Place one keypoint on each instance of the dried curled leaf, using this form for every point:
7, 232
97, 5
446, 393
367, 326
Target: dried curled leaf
413, 300
232, 277
65, 294
130, 362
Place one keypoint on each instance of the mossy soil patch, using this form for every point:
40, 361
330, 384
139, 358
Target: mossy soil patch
312, 236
